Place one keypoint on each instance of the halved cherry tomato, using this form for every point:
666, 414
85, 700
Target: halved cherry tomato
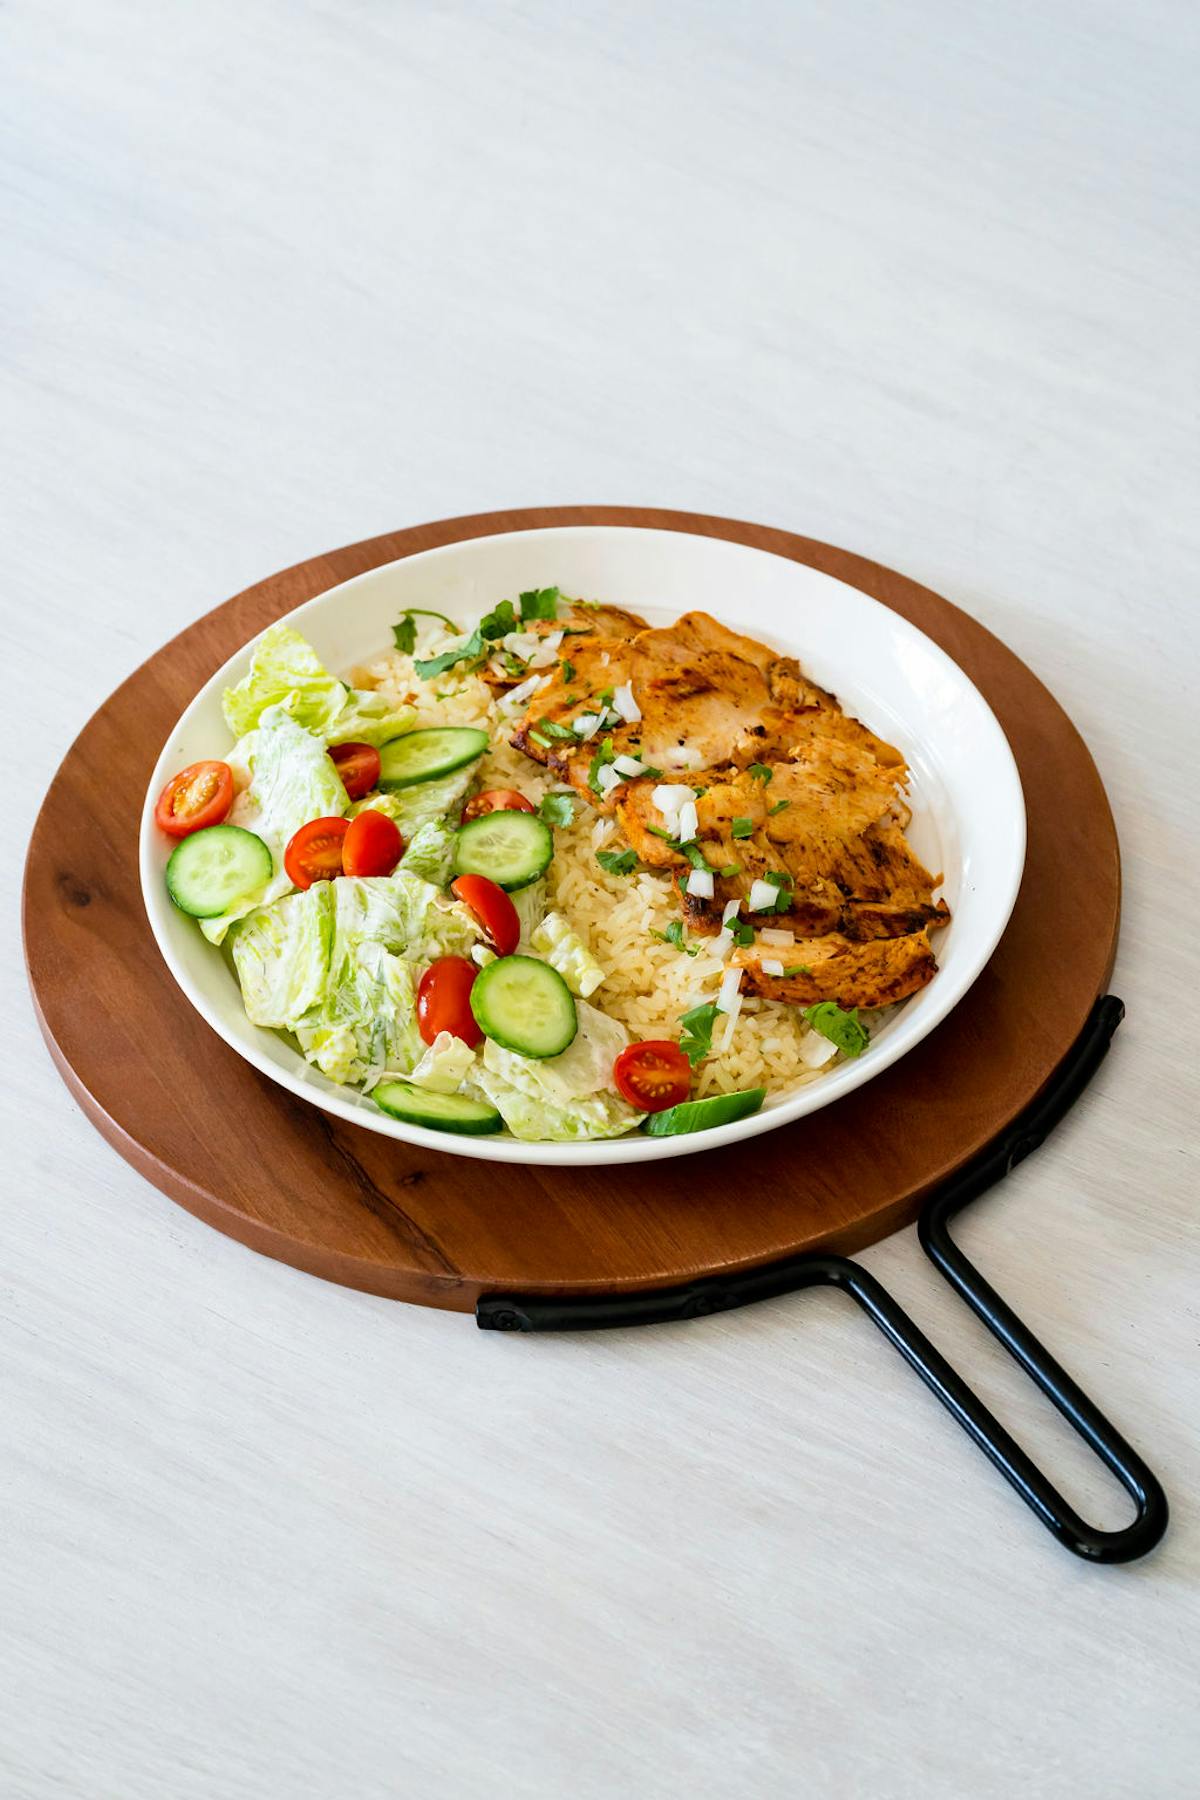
199, 795
491, 909
496, 800
373, 845
358, 766
653, 1075
315, 853
444, 1000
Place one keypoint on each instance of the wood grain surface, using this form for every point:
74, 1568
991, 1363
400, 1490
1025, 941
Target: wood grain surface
365, 1210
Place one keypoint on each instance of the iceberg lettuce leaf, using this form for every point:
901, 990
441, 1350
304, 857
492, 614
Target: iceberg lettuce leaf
286, 671
281, 954
564, 949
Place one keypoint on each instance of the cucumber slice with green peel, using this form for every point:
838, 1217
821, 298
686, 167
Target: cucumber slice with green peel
510, 848
524, 1005
423, 755
212, 869
703, 1115
437, 1112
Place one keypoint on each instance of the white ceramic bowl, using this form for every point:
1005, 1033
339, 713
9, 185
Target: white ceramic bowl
968, 809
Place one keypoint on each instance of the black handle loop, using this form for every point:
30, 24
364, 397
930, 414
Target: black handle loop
720, 1294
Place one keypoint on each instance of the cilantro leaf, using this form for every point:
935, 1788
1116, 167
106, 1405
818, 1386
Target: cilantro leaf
539, 603
694, 854
841, 1028
470, 650
760, 772
674, 935
499, 622
741, 828
568, 671
540, 738
778, 808
778, 878
405, 632
557, 809
741, 931
617, 862
730, 870
605, 696
554, 729
696, 1041
605, 754
798, 969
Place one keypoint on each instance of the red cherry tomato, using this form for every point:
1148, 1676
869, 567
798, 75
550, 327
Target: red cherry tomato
444, 1000
373, 845
653, 1075
315, 853
491, 909
496, 800
358, 766
199, 795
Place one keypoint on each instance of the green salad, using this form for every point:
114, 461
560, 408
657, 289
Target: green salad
394, 923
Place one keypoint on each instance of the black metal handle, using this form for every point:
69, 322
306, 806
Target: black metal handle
718, 1294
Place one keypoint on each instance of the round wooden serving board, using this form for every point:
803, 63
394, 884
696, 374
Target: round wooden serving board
362, 1209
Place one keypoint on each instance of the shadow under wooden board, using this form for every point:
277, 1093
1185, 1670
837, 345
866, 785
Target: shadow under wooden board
361, 1209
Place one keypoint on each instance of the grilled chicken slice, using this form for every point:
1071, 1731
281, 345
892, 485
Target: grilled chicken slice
708, 699
578, 620
834, 967
822, 826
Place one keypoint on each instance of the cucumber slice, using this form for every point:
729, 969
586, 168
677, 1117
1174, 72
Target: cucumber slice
437, 1112
423, 755
215, 867
702, 1115
510, 848
524, 1005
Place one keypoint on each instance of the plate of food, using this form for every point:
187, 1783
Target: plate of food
590, 844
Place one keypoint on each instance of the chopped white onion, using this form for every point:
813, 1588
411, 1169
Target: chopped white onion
722, 944
763, 897
604, 660
548, 652
770, 936
669, 797
689, 823
731, 981
628, 765
603, 828
700, 884
770, 965
525, 691
626, 705
607, 779
521, 643
815, 1051
732, 909
586, 725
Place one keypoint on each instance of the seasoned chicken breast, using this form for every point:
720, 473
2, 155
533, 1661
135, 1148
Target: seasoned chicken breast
575, 620
799, 808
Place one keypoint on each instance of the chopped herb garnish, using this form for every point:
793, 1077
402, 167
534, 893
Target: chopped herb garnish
536, 737
674, 935
741, 931
568, 674
512, 664
694, 854
798, 969
696, 1041
554, 729
777, 808
557, 809
741, 828
649, 774
405, 630
470, 650
777, 878
579, 630
700, 793
760, 772
605, 754
539, 603
605, 696
841, 1028
657, 831
617, 862
730, 870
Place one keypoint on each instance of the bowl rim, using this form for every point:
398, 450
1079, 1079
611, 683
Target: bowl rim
355, 1108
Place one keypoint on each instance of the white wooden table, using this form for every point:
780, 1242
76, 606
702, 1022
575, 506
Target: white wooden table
919, 280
